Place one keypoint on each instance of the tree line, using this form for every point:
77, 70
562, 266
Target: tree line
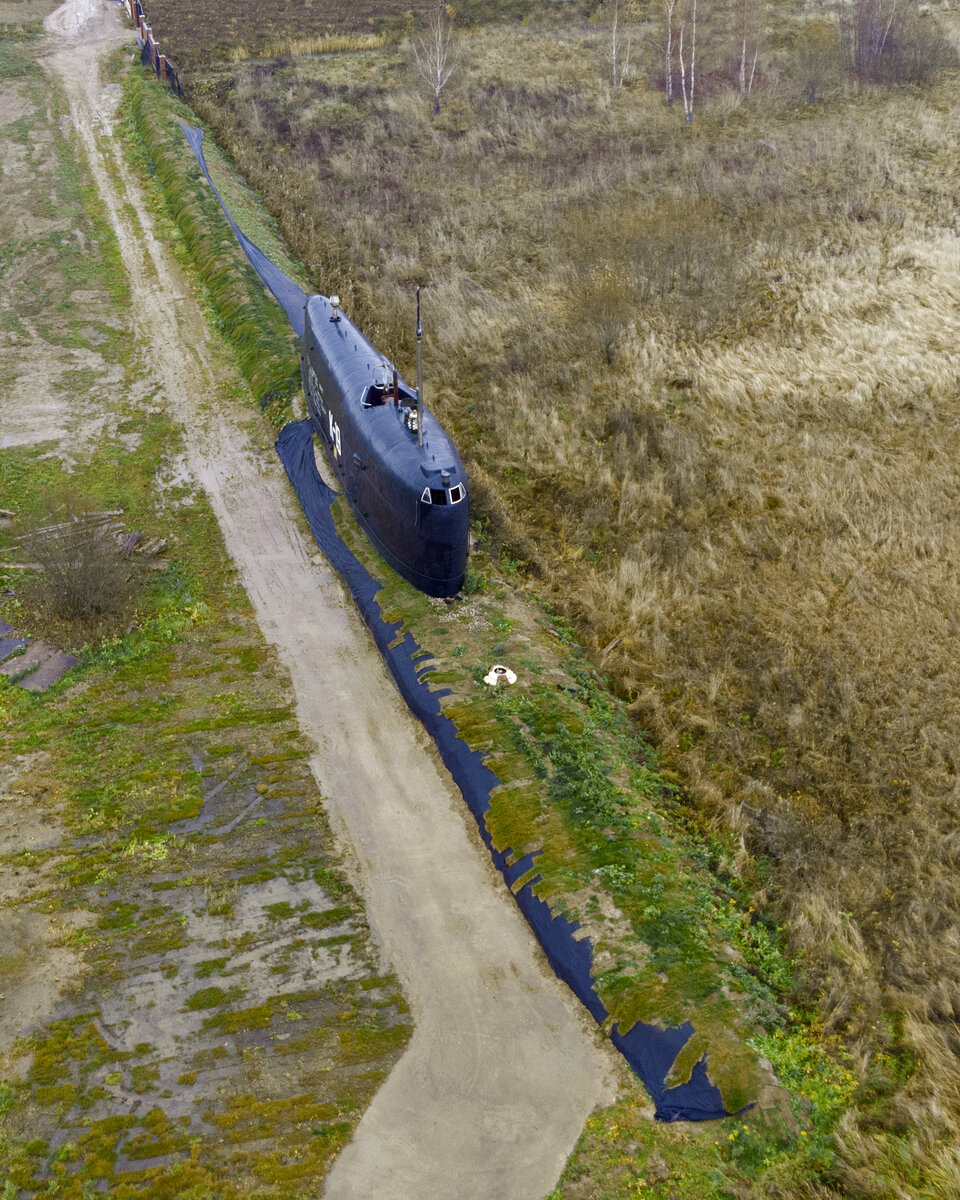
693, 47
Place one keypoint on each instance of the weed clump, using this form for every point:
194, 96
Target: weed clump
88, 577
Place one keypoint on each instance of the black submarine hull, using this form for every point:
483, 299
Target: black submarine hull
409, 498
398, 469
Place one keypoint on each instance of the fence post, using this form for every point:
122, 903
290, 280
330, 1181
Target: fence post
165, 70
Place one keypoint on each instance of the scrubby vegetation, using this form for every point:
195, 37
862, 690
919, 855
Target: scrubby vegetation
159, 823
86, 578
703, 377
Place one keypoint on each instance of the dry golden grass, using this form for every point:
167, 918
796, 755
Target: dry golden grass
706, 380
331, 43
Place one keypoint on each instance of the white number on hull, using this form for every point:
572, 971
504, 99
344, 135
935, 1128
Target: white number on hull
334, 435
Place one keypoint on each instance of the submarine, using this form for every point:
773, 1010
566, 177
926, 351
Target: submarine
396, 465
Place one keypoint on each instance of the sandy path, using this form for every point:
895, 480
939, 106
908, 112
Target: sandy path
503, 1067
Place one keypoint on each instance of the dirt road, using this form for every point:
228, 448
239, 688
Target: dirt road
503, 1068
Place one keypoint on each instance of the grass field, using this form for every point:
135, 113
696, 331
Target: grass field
560, 743
705, 381
704, 377
204, 31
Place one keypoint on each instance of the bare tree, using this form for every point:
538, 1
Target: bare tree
437, 53
688, 16
669, 10
817, 61
619, 53
892, 41
748, 36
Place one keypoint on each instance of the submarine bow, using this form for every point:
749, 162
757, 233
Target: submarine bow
289, 295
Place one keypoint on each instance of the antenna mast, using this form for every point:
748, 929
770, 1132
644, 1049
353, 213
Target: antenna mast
419, 377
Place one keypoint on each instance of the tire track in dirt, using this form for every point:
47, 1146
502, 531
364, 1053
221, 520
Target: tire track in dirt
503, 1067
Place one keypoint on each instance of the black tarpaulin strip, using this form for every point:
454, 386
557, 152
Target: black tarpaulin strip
649, 1050
291, 298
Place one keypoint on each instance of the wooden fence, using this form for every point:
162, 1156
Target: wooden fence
150, 50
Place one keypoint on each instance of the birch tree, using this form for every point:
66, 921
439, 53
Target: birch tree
621, 44
872, 22
669, 10
437, 54
892, 40
688, 77
748, 38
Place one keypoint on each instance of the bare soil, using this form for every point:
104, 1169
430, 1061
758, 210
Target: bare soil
37, 964
503, 1067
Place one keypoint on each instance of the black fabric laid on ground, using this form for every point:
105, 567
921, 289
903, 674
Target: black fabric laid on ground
649, 1050
9, 644
291, 297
